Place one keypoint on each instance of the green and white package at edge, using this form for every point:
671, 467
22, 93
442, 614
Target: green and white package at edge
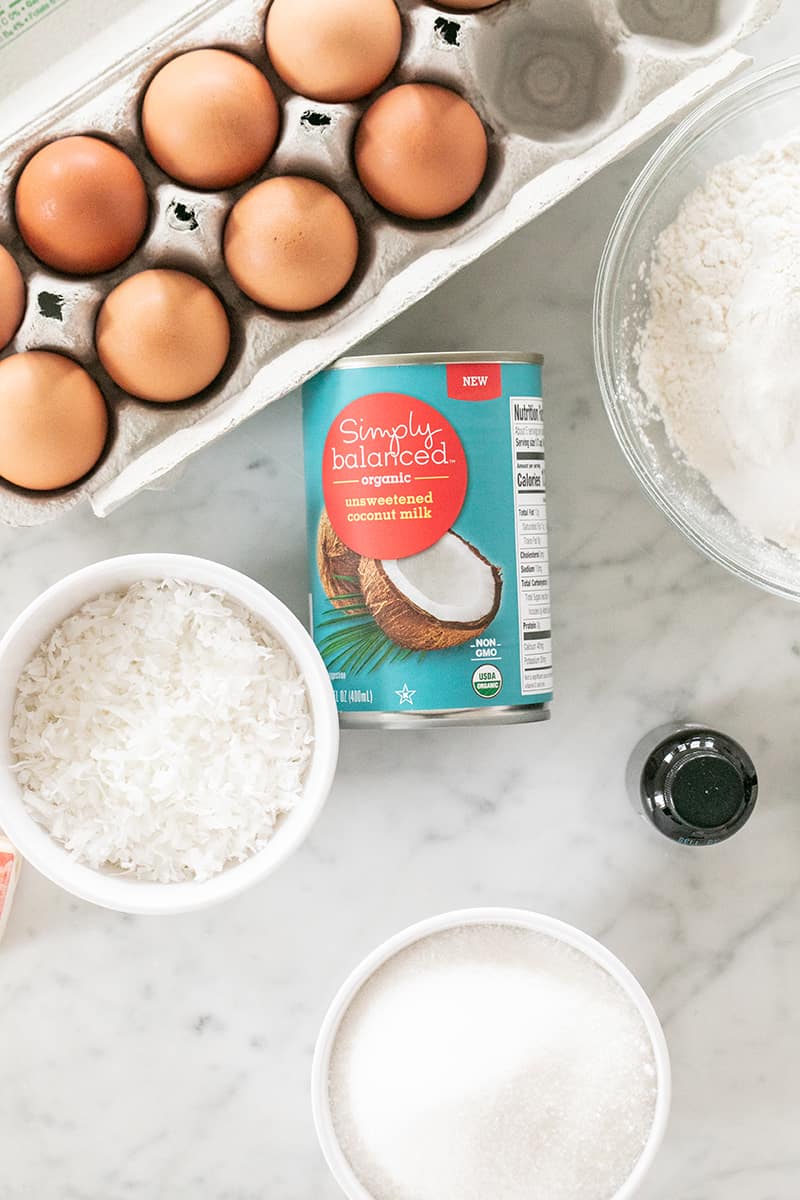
425, 484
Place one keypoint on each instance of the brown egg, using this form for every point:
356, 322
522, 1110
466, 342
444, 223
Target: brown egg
333, 50
53, 421
210, 119
291, 244
81, 205
421, 151
466, 5
12, 297
162, 335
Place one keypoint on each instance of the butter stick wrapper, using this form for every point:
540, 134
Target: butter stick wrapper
10, 865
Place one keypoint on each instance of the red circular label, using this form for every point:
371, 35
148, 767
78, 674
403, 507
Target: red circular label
394, 475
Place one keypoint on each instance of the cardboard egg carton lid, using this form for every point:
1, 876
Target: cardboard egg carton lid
564, 87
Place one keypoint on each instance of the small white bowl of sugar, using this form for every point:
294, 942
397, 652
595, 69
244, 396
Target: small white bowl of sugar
168, 733
491, 1053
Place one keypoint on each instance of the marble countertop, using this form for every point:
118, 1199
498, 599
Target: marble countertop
170, 1058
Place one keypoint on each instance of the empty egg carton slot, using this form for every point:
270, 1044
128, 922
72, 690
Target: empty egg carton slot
686, 22
556, 74
550, 84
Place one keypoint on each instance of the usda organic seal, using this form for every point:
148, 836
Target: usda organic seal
487, 682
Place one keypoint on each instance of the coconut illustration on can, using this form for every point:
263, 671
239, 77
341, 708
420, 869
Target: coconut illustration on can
439, 598
337, 565
429, 587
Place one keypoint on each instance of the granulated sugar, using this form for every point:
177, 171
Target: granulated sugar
492, 1063
720, 351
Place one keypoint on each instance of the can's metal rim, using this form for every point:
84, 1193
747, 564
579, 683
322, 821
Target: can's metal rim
509, 714
431, 358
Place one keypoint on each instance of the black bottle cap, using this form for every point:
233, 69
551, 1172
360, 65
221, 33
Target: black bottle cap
698, 787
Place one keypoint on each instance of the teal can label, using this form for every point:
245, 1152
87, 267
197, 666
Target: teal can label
430, 592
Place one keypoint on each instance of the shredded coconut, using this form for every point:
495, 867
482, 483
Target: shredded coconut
161, 731
492, 1063
720, 351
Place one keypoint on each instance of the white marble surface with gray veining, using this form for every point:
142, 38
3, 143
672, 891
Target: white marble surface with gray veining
170, 1058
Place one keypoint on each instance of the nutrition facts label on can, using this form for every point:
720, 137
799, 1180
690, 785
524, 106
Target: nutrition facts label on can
533, 570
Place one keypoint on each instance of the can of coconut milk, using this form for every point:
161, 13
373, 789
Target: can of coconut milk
430, 591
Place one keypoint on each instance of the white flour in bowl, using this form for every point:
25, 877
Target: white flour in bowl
719, 356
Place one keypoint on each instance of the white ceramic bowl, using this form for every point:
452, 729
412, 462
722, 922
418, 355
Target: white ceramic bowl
520, 918
117, 891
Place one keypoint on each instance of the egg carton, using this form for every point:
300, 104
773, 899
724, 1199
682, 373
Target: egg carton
564, 87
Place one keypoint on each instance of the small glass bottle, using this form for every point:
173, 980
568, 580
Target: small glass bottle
695, 785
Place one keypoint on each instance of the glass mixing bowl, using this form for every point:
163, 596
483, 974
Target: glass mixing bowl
737, 121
